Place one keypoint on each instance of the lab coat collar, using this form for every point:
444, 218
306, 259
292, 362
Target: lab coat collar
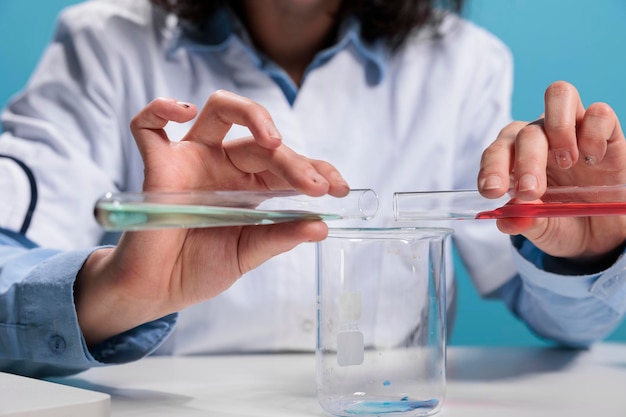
224, 28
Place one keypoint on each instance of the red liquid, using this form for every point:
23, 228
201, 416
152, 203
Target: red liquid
555, 210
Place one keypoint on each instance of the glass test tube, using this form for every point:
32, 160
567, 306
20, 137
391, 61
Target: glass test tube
442, 205
146, 211
563, 201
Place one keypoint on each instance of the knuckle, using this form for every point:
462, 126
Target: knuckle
511, 129
219, 95
530, 130
134, 122
496, 149
560, 127
600, 110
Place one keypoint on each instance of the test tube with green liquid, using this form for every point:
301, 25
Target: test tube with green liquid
160, 210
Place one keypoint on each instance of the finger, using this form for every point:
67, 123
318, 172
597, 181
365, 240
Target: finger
563, 110
338, 185
598, 128
282, 168
222, 110
517, 225
260, 243
147, 126
531, 153
496, 163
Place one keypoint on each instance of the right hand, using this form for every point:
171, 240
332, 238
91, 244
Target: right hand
569, 146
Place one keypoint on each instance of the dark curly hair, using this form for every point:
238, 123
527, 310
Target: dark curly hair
392, 20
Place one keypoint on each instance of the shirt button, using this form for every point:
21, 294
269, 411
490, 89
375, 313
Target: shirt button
307, 326
57, 344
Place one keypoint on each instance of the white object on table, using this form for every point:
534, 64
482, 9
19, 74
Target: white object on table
28, 397
482, 382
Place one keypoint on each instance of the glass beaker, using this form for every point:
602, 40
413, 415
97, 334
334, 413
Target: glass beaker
381, 303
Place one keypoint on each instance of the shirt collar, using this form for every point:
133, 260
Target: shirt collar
374, 56
223, 28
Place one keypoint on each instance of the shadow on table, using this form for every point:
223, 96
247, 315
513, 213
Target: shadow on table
128, 393
501, 363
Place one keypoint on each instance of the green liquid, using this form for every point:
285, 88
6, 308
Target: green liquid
130, 216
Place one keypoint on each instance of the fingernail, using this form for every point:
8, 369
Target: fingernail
563, 159
272, 130
492, 182
527, 183
315, 177
183, 104
590, 160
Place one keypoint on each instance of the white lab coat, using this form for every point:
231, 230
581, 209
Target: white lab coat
424, 126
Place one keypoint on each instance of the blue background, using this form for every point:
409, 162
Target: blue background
574, 40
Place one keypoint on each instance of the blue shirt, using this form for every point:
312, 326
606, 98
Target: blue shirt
69, 127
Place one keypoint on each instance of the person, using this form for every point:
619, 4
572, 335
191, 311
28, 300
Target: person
118, 289
397, 96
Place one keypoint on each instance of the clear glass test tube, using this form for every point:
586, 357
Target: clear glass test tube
442, 205
157, 210
565, 201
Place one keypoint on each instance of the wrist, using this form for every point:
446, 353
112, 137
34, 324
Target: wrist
583, 265
103, 308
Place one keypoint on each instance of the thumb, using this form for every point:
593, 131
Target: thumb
260, 243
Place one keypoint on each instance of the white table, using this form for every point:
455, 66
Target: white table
503, 382
29, 397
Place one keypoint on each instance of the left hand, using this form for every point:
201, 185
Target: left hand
150, 274
571, 146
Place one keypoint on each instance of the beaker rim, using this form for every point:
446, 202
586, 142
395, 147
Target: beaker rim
394, 232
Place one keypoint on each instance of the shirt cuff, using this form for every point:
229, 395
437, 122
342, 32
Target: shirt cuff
48, 331
608, 285
135, 343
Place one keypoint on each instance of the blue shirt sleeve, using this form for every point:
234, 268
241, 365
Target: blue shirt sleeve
39, 331
572, 310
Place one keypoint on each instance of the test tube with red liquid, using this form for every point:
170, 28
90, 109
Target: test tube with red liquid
564, 201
